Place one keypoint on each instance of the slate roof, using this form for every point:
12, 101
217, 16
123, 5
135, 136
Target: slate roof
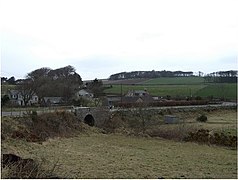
53, 100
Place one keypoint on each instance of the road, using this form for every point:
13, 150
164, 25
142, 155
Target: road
22, 113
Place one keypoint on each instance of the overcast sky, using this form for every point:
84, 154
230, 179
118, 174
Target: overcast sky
102, 37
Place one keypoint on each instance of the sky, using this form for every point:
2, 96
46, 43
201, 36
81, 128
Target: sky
103, 37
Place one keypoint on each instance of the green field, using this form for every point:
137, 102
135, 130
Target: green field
177, 80
180, 86
223, 90
158, 90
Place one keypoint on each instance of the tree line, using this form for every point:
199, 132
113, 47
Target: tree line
222, 77
149, 74
219, 76
11, 81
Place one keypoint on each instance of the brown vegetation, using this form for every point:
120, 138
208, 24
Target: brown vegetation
15, 167
206, 136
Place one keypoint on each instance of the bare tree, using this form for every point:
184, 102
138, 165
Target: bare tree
26, 90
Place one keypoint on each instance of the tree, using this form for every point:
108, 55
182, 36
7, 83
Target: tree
61, 82
26, 90
200, 74
3, 80
11, 80
96, 87
4, 100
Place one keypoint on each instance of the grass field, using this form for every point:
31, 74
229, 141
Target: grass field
95, 155
158, 90
228, 91
179, 86
218, 121
177, 80
115, 156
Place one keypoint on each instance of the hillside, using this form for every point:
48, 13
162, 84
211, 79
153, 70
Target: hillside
174, 87
71, 149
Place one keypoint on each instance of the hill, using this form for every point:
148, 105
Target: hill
174, 87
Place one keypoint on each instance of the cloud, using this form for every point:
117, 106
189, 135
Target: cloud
113, 36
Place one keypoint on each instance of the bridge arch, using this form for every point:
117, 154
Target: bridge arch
89, 120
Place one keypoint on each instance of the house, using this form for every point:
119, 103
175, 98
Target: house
137, 96
112, 101
137, 99
84, 93
132, 97
52, 101
17, 99
136, 93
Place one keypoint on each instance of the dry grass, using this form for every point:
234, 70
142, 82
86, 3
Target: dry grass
91, 154
116, 156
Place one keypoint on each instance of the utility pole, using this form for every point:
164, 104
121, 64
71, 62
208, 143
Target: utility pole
121, 93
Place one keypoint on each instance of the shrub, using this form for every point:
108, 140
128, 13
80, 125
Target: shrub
202, 118
34, 115
205, 136
56, 124
198, 98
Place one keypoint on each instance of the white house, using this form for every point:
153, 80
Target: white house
17, 99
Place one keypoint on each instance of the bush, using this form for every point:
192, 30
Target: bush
34, 115
56, 124
202, 118
205, 136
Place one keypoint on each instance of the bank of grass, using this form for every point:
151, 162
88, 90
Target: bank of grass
219, 121
92, 154
116, 156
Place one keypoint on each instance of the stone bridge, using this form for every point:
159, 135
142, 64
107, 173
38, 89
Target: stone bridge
92, 116
97, 116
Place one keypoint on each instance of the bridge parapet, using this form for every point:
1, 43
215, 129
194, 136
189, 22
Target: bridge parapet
92, 116
97, 116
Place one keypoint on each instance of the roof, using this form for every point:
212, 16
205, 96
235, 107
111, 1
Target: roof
53, 100
136, 99
85, 91
13, 92
137, 93
116, 98
16, 92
